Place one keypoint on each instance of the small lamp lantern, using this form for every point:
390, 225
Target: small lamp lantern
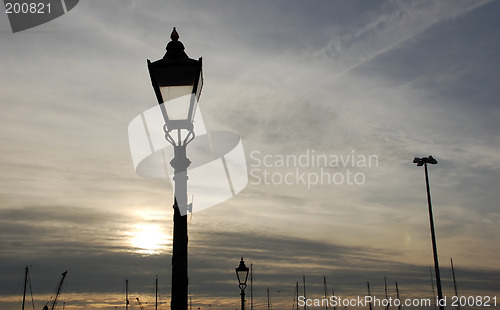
242, 274
177, 81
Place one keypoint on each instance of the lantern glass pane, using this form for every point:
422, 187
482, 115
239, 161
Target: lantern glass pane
242, 276
177, 100
171, 92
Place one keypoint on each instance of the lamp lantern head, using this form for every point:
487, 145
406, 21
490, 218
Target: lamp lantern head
177, 81
242, 274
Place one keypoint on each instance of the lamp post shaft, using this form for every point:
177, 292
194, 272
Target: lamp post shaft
242, 299
433, 237
179, 300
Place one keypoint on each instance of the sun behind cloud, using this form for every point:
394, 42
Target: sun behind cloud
149, 239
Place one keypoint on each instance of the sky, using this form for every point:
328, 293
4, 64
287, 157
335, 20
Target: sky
368, 85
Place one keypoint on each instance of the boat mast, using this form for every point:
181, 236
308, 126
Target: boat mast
156, 293
454, 281
58, 292
386, 296
126, 294
324, 287
251, 286
25, 282
297, 293
269, 307
333, 295
305, 296
397, 296
368, 284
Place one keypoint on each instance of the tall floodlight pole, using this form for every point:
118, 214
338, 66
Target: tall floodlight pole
433, 290
177, 81
423, 162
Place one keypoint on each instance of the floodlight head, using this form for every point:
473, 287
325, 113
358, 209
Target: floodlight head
432, 160
424, 160
419, 161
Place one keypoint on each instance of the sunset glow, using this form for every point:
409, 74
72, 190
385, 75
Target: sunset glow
149, 239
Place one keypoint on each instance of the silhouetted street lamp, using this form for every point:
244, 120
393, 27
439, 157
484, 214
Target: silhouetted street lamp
242, 274
423, 162
177, 81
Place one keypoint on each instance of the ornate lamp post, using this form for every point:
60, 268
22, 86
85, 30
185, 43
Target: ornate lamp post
423, 162
242, 274
177, 81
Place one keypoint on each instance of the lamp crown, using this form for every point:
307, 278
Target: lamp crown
242, 266
175, 48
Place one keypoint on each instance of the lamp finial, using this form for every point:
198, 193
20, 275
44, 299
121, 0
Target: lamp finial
174, 35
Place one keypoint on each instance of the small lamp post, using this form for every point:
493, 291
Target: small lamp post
177, 81
423, 162
242, 274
